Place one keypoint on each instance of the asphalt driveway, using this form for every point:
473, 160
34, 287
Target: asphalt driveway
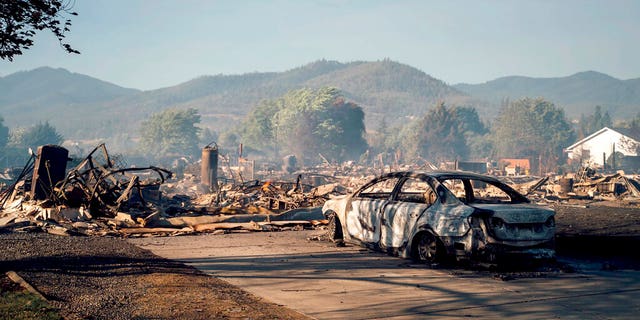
328, 282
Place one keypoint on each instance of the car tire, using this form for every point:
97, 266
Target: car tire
428, 248
335, 228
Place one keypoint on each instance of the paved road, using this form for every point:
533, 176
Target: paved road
326, 282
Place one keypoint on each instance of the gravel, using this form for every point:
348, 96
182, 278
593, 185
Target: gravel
109, 278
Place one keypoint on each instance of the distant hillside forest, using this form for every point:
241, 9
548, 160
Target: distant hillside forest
321, 125
404, 111
577, 94
383, 88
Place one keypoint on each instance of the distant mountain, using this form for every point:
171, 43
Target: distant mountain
577, 94
81, 107
47, 93
389, 89
382, 88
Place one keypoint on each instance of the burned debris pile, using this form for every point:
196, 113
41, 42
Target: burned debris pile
584, 185
98, 196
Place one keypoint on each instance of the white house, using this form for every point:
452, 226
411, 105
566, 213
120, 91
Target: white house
596, 148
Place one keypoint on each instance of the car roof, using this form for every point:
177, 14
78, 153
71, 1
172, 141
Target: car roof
443, 174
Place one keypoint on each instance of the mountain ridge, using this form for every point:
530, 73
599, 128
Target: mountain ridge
385, 89
235, 95
578, 93
49, 92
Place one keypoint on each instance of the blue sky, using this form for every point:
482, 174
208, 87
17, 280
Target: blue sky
149, 44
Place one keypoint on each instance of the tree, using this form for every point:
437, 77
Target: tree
437, 136
258, 129
469, 121
20, 19
379, 139
535, 129
170, 133
594, 122
631, 127
475, 132
343, 127
228, 140
207, 136
306, 122
35, 136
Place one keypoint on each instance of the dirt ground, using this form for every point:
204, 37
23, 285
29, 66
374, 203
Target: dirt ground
597, 219
109, 278
605, 233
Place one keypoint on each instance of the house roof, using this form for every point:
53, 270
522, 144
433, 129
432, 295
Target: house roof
593, 135
629, 133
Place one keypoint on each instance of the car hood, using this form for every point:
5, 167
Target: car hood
517, 213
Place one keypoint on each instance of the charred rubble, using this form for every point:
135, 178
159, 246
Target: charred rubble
585, 185
98, 196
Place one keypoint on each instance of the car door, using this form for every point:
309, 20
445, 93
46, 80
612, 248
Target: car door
363, 219
400, 214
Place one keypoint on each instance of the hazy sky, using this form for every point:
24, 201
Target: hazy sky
148, 44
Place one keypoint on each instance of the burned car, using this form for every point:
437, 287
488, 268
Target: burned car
432, 216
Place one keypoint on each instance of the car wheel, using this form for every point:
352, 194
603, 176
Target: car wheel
335, 228
429, 249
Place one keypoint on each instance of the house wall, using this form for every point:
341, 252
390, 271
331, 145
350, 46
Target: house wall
602, 143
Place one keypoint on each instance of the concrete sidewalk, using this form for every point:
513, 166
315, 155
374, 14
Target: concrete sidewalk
326, 282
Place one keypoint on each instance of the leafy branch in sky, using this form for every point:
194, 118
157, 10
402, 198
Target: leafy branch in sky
21, 19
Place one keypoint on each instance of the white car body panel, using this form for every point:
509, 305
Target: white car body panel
391, 225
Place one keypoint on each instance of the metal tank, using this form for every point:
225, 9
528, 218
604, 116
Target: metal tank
209, 166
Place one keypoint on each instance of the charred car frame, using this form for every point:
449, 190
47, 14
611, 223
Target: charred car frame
431, 216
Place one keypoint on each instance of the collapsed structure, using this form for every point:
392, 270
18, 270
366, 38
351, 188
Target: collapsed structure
583, 185
99, 196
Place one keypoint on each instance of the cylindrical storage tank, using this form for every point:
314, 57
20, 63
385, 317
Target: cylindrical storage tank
209, 166
49, 169
566, 185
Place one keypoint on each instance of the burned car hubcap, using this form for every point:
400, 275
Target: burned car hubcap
428, 248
